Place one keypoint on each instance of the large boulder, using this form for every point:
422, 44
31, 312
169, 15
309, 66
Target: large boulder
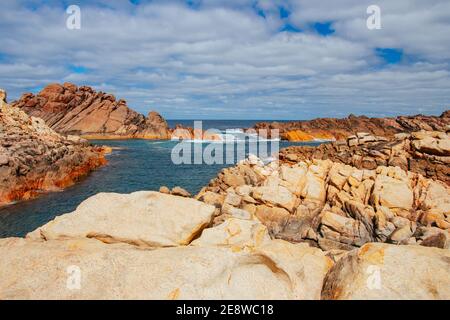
89, 269
384, 271
144, 218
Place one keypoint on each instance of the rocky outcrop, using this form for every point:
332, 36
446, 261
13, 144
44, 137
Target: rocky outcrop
334, 206
424, 152
140, 218
117, 271
34, 158
340, 129
82, 111
236, 259
214, 266
381, 271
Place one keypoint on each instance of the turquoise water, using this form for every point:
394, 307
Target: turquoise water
134, 165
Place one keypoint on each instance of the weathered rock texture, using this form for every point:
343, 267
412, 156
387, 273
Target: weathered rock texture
236, 259
34, 158
145, 219
82, 111
326, 128
424, 152
215, 267
334, 206
386, 272
118, 271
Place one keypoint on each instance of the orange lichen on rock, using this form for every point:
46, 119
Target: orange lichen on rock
30, 189
36, 159
372, 254
299, 135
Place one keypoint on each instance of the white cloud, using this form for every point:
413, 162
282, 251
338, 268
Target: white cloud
224, 60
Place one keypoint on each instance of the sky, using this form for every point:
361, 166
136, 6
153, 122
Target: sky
236, 59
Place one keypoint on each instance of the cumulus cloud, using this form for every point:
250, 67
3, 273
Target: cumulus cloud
231, 59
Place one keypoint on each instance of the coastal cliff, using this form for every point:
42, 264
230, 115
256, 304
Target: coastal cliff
34, 158
70, 109
340, 129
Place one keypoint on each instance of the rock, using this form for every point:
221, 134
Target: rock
383, 271
244, 190
421, 152
345, 230
2, 95
433, 237
178, 191
70, 109
437, 198
306, 266
314, 188
233, 199
233, 179
254, 160
164, 190
120, 271
274, 218
401, 234
237, 233
295, 176
366, 129
321, 199
392, 193
292, 157
327, 245
236, 212
4, 160
435, 144
145, 219
34, 158
383, 227
212, 198
278, 196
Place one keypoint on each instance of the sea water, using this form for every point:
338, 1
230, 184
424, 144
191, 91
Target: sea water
134, 165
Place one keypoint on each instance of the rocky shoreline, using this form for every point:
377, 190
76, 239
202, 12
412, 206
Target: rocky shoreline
35, 159
69, 109
340, 129
80, 110
334, 206
352, 219
424, 152
301, 228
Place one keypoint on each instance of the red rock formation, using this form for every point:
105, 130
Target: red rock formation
70, 109
340, 129
34, 158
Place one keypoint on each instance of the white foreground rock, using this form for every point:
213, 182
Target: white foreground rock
238, 233
89, 269
385, 271
145, 218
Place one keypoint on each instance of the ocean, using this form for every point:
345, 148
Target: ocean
134, 165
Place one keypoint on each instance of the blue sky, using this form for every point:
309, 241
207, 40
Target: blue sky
236, 59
